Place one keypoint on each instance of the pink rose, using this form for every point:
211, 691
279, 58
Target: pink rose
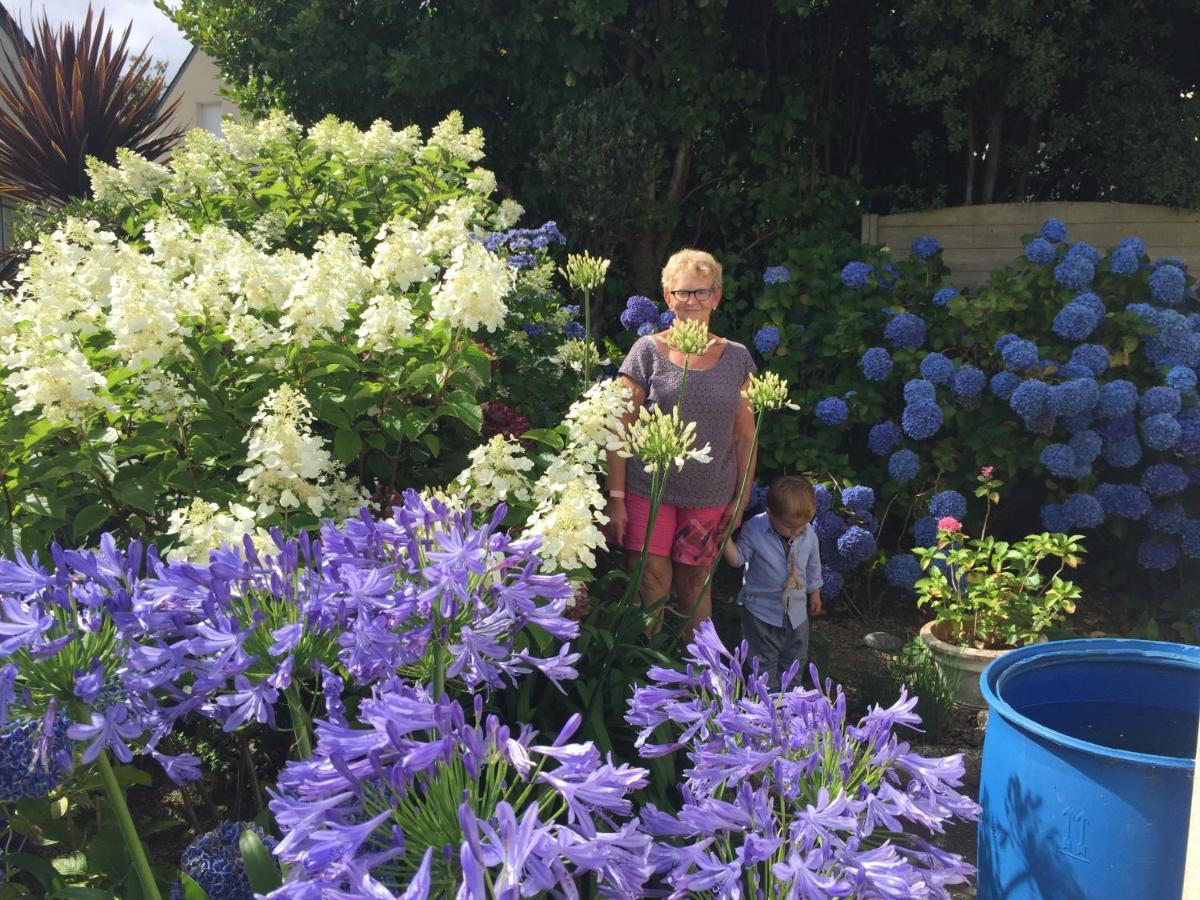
949, 523
986, 471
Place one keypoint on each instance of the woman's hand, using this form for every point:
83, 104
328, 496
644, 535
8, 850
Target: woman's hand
731, 519
618, 518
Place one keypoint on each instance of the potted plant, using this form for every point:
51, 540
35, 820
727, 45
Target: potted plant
988, 596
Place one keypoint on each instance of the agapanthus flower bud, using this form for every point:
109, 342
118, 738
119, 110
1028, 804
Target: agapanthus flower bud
661, 439
689, 336
585, 272
767, 391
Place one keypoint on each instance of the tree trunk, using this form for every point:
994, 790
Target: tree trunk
1027, 162
969, 193
994, 123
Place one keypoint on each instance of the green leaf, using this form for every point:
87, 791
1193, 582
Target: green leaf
88, 520
432, 443
261, 870
39, 868
346, 445
191, 890
137, 494
547, 436
464, 408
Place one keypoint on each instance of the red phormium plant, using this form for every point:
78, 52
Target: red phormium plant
72, 95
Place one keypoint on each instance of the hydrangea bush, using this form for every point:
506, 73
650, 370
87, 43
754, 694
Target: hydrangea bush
276, 328
1073, 372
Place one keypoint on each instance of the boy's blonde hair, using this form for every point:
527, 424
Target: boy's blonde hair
792, 497
697, 261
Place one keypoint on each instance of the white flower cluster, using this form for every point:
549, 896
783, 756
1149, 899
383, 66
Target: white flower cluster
495, 474
163, 395
290, 466
379, 142
448, 135
132, 179
595, 420
568, 515
471, 295
202, 526
332, 281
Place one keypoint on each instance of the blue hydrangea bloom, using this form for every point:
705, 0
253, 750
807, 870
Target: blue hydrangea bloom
905, 330
887, 276
666, 320
533, 329
21, 778
1159, 554
639, 311
1160, 399
1003, 384
876, 364
1134, 245
1123, 453
1059, 460
925, 247
1075, 322
925, 531
1040, 252
1019, 355
1073, 397
968, 381
766, 339
758, 499
1085, 251
832, 411
919, 389
948, 503
1117, 398
856, 275
1054, 230
883, 437
573, 331
647, 328
1188, 443
1164, 479
1075, 273
828, 525
1076, 424
859, 498
942, 297
856, 545
937, 368
1169, 261
1092, 357
1086, 445
1167, 518
903, 571
776, 275
214, 861
1004, 340
1161, 431
921, 420
904, 466
1123, 262
833, 584
1189, 538
1029, 399
824, 498
1054, 518
1181, 378
1126, 501
1168, 285
1083, 511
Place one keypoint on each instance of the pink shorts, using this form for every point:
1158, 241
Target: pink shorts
687, 536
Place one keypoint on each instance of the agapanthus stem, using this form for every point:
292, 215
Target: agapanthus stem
712, 570
658, 483
439, 667
133, 843
300, 724
587, 338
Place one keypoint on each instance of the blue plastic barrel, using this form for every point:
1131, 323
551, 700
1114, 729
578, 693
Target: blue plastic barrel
1087, 770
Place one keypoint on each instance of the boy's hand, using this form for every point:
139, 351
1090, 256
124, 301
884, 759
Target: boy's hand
814, 603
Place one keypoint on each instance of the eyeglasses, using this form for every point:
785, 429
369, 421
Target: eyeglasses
701, 295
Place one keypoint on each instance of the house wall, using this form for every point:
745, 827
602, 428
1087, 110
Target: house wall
978, 239
198, 85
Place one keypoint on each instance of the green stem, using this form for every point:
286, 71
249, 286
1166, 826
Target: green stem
128, 830
587, 338
299, 721
439, 668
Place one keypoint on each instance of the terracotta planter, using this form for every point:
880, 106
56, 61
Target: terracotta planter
967, 662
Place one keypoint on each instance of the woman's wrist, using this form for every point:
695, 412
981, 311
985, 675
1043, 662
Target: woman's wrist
616, 495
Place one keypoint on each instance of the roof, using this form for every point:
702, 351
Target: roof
10, 26
162, 98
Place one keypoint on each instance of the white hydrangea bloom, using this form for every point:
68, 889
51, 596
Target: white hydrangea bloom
495, 473
482, 181
132, 179
385, 320
64, 285
450, 225
334, 279
471, 294
202, 527
510, 213
594, 421
401, 257
567, 517
57, 380
141, 315
448, 135
163, 395
381, 141
172, 243
251, 335
198, 164
245, 139
289, 465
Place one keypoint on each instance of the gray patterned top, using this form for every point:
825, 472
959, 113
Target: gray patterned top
710, 400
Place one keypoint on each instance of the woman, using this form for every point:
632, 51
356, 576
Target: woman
701, 501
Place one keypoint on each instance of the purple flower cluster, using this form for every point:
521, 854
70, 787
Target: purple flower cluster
766, 339
776, 275
905, 330
762, 812
518, 242
876, 364
925, 247
857, 275
640, 315
214, 861
832, 411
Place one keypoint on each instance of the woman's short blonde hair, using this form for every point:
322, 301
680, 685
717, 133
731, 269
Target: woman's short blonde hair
697, 261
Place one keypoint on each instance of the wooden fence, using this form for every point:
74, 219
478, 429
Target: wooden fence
978, 239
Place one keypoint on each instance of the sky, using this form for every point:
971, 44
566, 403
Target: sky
166, 43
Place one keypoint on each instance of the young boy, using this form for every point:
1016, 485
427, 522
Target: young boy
781, 585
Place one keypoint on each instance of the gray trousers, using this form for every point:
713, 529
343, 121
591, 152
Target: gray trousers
776, 646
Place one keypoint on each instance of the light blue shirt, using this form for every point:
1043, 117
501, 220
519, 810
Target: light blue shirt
764, 557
